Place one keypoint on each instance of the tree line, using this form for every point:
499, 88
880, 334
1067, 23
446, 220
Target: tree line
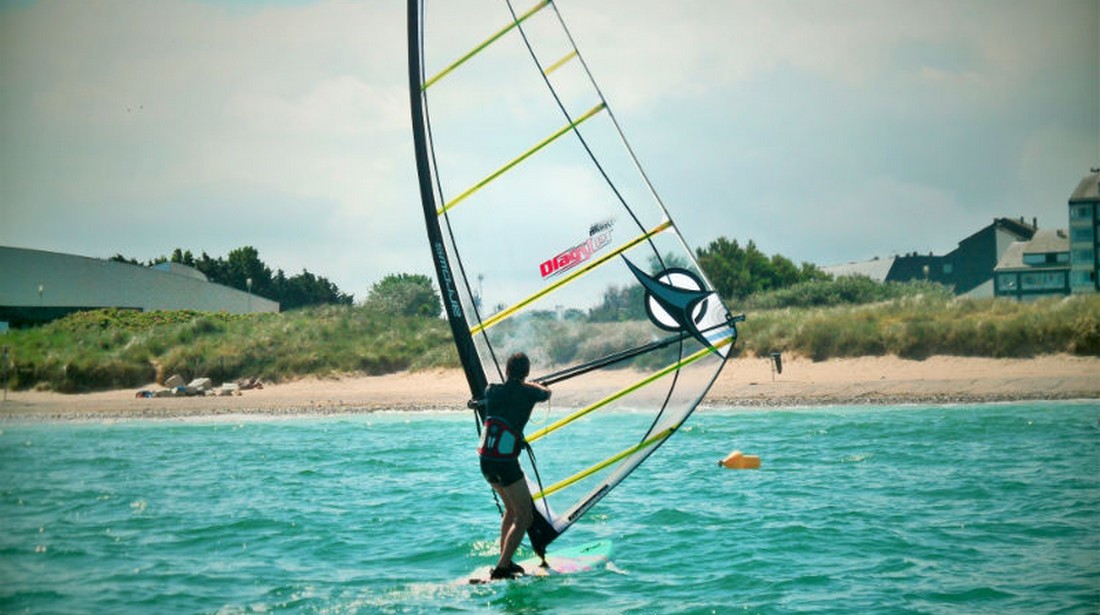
244, 264
737, 273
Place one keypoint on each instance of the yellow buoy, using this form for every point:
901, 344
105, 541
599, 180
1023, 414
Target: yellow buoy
738, 461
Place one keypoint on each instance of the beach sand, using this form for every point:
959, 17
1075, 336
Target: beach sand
745, 382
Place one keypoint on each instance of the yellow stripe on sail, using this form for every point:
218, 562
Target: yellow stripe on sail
603, 464
489, 41
556, 65
518, 159
628, 390
501, 315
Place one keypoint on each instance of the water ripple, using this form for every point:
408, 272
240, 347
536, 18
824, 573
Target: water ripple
924, 509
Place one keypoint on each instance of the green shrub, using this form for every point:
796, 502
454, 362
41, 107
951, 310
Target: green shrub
844, 290
95, 374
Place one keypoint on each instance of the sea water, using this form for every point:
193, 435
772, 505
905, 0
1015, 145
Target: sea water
914, 509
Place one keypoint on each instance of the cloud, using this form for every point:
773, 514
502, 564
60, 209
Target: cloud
811, 128
205, 128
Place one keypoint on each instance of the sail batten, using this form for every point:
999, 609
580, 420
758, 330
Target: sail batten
485, 44
524, 156
562, 62
583, 474
626, 391
503, 314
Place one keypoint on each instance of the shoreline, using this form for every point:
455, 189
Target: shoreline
744, 383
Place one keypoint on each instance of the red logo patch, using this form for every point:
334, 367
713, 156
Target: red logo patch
599, 237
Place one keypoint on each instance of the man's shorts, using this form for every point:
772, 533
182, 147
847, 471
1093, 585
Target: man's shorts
502, 472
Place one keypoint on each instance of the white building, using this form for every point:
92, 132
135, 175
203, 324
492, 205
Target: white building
1036, 268
38, 286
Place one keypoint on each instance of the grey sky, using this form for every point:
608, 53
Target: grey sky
825, 131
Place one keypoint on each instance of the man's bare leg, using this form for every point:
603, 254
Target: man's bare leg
517, 518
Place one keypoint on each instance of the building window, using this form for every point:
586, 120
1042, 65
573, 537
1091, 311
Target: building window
1082, 234
1083, 255
1006, 282
1081, 278
948, 268
1046, 280
1046, 258
1080, 212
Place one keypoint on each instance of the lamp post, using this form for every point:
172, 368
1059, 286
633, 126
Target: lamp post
248, 283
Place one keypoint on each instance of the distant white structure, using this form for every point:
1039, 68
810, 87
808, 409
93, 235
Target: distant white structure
877, 269
38, 286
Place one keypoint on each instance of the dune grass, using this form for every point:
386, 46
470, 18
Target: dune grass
923, 325
113, 348
110, 349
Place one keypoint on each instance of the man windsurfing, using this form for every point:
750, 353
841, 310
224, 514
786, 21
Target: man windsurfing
508, 406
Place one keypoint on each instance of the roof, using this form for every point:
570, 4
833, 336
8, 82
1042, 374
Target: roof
181, 269
1019, 228
36, 280
1088, 189
1044, 242
876, 269
1047, 240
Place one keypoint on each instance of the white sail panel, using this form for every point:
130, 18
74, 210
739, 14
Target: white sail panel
549, 239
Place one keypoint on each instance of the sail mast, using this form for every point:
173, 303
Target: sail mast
445, 274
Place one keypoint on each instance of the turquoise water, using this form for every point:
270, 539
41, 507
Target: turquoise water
922, 509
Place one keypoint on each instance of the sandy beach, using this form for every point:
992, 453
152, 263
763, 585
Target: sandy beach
745, 382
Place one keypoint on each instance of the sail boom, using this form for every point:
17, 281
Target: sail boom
711, 333
609, 360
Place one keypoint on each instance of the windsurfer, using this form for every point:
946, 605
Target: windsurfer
508, 406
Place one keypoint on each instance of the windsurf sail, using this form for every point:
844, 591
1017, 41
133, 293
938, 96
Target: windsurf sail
548, 238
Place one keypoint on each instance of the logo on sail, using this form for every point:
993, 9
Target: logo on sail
677, 300
599, 237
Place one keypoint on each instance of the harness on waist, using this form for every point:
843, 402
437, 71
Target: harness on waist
499, 440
